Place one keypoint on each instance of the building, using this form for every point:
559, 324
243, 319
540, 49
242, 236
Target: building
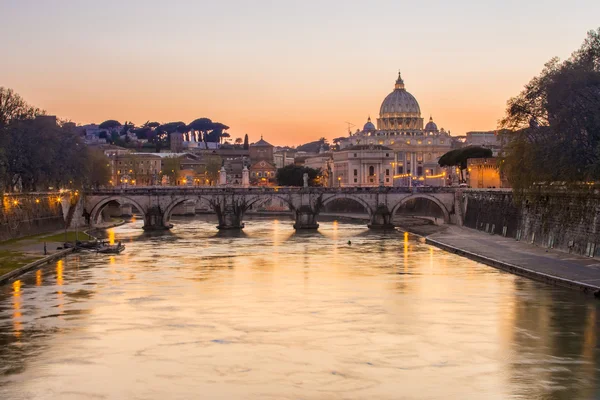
176, 139
135, 169
490, 140
281, 158
483, 173
261, 150
363, 165
262, 168
414, 148
324, 162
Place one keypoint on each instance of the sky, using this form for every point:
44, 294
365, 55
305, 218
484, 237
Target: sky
292, 71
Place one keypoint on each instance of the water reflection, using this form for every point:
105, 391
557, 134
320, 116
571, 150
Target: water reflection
17, 325
272, 313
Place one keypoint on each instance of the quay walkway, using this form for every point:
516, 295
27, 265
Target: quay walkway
546, 265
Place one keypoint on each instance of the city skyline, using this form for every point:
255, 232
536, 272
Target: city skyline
292, 73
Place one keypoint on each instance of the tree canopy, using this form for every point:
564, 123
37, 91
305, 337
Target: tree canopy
555, 122
293, 175
14, 108
36, 155
109, 124
458, 157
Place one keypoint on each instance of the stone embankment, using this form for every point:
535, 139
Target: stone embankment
565, 220
550, 237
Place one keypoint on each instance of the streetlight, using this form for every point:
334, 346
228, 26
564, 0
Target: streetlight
339, 181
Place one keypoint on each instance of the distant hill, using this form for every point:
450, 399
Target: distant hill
314, 147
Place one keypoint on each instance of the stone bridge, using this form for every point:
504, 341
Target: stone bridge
158, 202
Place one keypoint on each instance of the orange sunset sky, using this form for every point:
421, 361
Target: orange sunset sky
291, 71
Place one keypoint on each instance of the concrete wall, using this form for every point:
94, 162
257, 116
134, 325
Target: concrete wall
568, 222
30, 214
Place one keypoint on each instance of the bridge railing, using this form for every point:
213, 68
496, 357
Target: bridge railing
215, 190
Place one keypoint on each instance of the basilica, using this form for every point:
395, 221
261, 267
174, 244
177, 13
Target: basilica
398, 152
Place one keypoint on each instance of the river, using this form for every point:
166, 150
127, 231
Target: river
342, 313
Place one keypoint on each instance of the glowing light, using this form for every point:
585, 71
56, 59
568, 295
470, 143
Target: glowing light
16, 288
37, 201
17, 325
38, 277
59, 272
436, 176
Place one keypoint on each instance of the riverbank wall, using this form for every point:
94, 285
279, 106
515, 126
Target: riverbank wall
30, 214
566, 221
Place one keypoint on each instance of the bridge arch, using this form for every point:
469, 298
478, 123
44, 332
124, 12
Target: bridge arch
260, 199
342, 196
432, 199
121, 200
178, 201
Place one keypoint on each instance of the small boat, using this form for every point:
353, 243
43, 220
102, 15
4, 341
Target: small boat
92, 244
111, 249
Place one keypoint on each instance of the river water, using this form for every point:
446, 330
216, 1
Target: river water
272, 314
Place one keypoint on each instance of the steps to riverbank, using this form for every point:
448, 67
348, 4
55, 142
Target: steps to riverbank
545, 265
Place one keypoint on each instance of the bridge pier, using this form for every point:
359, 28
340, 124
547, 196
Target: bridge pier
230, 211
306, 218
229, 218
154, 220
381, 218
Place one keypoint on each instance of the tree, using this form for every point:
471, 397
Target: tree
246, 145
215, 132
293, 175
200, 127
142, 132
14, 108
238, 141
459, 157
110, 124
170, 168
97, 172
555, 123
212, 168
38, 155
35, 154
225, 135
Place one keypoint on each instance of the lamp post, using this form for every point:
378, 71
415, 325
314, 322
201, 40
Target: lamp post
339, 181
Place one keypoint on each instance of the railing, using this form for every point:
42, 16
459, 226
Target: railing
214, 190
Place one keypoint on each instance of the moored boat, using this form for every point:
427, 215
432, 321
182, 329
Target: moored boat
111, 249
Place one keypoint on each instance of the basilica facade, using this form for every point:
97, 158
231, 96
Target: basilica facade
409, 150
